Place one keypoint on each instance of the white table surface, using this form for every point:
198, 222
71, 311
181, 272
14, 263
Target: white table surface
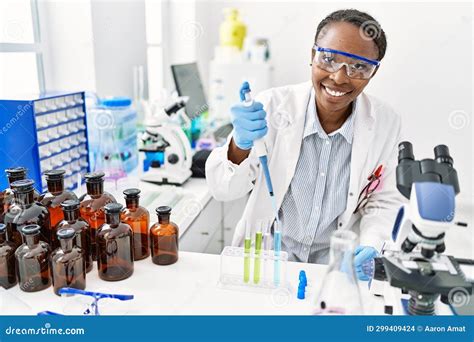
188, 287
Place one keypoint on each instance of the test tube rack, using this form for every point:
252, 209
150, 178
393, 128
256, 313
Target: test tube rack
44, 132
233, 265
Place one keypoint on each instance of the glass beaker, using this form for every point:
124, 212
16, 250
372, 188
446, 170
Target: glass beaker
339, 294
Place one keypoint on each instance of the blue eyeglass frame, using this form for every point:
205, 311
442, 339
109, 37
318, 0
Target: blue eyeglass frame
347, 54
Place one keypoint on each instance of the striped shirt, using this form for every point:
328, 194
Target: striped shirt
317, 194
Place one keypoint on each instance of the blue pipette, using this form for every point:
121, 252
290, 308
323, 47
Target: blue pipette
261, 151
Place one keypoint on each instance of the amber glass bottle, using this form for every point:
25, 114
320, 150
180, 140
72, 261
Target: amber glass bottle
164, 238
72, 219
92, 205
24, 211
15, 174
138, 218
68, 267
32, 260
53, 199
114, 246
7, 260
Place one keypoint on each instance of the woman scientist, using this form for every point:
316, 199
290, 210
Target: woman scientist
332, 148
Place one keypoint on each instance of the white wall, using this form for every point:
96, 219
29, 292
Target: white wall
426, 74
119, 43
66, 30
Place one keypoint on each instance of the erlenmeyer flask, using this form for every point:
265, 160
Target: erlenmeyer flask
109, 158
339, 294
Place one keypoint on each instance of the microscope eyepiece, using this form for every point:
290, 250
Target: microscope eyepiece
405, 151
442, 155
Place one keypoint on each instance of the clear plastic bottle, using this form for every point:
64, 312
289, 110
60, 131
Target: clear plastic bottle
73, 219
25, 210
7, 260
53, 199
92, 205
164, 238
138, 218
339, 294
14, 174
32, 259
114, 246
68, 267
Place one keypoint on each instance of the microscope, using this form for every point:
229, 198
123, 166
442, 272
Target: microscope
168, 154
413, 261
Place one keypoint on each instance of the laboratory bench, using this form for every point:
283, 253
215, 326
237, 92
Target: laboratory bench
191, 286
188, 287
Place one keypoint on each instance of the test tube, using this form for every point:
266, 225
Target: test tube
267, 246
277, 251
247, 246
258, 251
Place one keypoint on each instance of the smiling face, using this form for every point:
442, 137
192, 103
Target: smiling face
336, 91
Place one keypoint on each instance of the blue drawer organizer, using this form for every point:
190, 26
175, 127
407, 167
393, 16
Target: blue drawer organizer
44, 132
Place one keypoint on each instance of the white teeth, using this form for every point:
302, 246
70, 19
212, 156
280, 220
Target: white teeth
334, 92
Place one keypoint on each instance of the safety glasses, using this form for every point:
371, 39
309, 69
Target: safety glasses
357, 67
369, 189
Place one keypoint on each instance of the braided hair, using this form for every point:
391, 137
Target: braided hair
370, 28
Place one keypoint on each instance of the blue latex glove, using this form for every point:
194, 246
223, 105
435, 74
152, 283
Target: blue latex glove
249, 122
362, 256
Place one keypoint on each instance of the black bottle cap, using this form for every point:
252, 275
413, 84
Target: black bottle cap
23, 185
3, 227
94, 177
163, 210
15, 171
54, 174
30, 229
69, 205
112, 208
132, 193
66, 233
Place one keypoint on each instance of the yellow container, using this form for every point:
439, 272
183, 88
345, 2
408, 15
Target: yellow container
232, 30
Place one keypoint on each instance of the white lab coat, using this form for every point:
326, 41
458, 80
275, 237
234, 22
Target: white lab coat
376, 137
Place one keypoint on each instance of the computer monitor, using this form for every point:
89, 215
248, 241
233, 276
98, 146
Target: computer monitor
188, 83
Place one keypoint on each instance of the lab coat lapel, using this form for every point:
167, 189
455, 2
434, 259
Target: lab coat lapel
362, 140
289, 138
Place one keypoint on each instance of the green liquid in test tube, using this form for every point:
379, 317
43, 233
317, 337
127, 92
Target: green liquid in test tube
247, 246
258, 251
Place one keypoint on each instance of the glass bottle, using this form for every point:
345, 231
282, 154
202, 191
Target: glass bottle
68, 267
53, 199
24, 211
114, 246
7, 260
164, 238
15, 174
32, 260
72, 219
138, 218
339, 294
92, 205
